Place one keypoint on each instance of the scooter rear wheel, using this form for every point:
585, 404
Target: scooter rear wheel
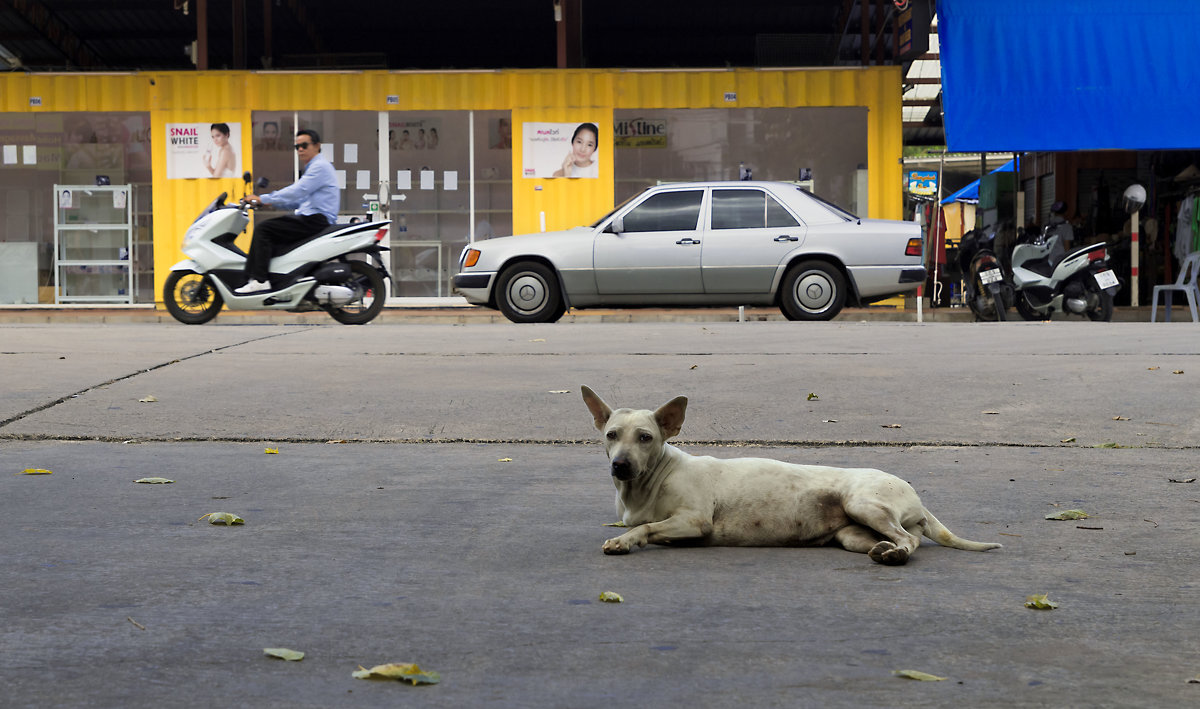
191, 298
370, 294
1103, 311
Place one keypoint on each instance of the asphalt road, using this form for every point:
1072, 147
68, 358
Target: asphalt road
437, 498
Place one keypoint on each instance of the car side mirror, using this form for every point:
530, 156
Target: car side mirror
618, 225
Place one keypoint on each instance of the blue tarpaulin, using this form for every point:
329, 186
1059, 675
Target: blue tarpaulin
1058, 75
970, 193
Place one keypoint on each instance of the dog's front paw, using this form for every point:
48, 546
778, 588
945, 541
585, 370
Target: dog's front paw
886, 552
616, 545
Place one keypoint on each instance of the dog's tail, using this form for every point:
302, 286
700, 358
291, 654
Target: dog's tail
937, 531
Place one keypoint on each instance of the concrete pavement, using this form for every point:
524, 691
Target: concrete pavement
415, 541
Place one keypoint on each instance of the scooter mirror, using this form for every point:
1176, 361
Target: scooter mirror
1134, 198
261, 184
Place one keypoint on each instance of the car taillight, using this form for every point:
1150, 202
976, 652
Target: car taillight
472, 258
913, 248
380, 234
1097, 255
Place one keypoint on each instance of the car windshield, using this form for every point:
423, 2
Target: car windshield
830, 206
617, 208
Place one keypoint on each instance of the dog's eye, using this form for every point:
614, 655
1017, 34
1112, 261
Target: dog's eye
611, 435
645, 438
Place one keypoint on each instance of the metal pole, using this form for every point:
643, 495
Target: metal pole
1133, 259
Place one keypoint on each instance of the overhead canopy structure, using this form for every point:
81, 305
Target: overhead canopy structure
970, 193
1058, 75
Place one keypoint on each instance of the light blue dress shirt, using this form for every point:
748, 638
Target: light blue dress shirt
316, 192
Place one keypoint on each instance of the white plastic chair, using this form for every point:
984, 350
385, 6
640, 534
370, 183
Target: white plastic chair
1186, 283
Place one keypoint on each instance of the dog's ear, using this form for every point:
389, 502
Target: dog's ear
600, 410
670, 416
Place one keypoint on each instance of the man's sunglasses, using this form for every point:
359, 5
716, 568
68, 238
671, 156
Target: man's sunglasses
301, 146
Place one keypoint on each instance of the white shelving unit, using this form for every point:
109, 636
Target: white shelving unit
93, 244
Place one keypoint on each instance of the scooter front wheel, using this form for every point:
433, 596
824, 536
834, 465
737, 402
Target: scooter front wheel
191, 298
370, 292
1027, 311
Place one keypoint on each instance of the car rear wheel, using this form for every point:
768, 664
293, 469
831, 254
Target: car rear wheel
812, 290
528, 291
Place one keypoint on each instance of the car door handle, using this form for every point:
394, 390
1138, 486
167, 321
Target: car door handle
784, 237
687, 240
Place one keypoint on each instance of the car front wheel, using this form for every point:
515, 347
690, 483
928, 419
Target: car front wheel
528, 291
812, 290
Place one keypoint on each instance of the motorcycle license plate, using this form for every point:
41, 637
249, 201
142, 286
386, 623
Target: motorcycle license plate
991, 275
1106, 279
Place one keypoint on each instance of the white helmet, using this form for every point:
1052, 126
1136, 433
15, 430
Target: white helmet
1134, 198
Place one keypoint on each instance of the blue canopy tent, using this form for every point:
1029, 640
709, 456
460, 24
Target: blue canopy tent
1059, 75
970, 193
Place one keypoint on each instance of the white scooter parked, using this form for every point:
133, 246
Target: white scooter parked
1048, 280
314, 274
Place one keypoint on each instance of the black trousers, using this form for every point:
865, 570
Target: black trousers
272, 236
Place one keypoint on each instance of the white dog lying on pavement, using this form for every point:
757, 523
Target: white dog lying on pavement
668, 496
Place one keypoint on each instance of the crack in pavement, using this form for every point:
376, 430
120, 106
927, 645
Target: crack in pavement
68, 397
435, 440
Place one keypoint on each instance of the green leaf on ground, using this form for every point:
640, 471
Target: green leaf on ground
283, 653
35, 471
154, 481
1068, 515
917, 675
403, 672
1039, 602
611, 597
226, 518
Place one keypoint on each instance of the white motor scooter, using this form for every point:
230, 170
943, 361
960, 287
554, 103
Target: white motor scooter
318, 273
1048, 280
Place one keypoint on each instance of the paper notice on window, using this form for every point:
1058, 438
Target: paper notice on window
30, 154
120, 199
450, 180
341, 179
329, 150
10, 155
427, 179
350, 153
362, 180
404, 179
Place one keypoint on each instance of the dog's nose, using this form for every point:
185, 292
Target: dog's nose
622, 469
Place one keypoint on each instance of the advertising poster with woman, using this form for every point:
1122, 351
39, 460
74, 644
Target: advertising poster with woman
560, 150
199, 150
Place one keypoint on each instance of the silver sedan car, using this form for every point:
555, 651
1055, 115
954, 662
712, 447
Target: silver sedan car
700, 244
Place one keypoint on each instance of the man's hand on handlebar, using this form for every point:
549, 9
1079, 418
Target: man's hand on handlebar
252, 200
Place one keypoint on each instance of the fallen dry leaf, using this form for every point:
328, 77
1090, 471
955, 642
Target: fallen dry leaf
226, 518
693, 366
813, 397
154, 481
1040, 602
1181, 480
538, 339
890, 425
1068, 515
917, 675
1068, 440
1153, 368
615, 524
559, 391
504, 460
35, 471
1119, 418
611, 597
1177, 371
271, 451
338, 440
829, 421
990, 413
404, 672
148, 399
282, 653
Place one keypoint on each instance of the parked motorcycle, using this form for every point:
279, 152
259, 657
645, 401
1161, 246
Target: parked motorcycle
986, 289
1047, 279
318, 273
